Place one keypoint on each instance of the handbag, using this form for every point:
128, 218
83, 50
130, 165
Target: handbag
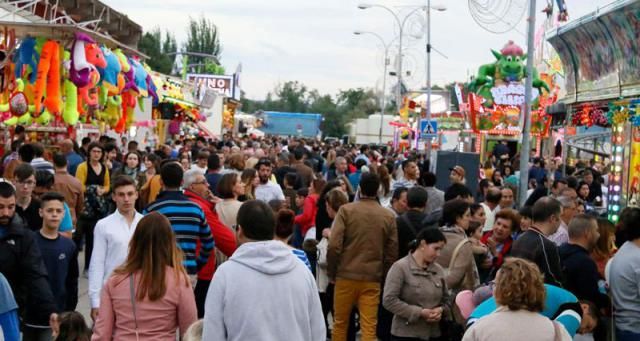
133, 305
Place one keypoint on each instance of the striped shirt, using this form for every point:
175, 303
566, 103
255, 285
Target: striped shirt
42, 164
302, 257
189, 224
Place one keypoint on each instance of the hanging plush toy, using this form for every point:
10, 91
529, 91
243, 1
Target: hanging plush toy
96, 59
45, 118
18, 104
113, 111
27, 56
6, 49
109, 74
80, 68
140, 77
70, 112
49, 75
124, 67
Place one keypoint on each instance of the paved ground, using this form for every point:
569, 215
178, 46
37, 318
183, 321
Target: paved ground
83, 297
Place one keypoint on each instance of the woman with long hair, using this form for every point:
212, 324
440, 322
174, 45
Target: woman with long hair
520, 296
131, 168
496, 178
605, 247
230, 188
415, 290
307, 218
235, 163
150, 295
152, 186
346, 186
251, 180
323, 220
384, 193
583, 191
463, 273
94, 178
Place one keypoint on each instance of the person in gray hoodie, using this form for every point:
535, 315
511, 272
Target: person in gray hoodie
263, 292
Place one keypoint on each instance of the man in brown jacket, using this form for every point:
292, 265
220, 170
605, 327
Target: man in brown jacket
68, 186
305, 173
362, 247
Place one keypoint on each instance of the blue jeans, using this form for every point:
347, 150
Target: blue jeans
623, 335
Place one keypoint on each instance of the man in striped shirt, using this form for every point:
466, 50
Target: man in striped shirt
187, 219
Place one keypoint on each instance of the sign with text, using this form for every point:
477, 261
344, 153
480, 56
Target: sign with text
221, 84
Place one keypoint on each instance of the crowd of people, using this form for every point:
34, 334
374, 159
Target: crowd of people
293, 239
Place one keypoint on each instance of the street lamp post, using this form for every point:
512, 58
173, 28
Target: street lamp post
384, 78
401, 24
440, 8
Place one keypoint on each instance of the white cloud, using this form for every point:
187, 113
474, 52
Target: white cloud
312, 41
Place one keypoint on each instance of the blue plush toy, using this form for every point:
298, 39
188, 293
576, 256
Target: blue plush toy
109, 75
27, 55
140, 77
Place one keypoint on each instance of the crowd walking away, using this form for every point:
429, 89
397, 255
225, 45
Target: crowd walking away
273, 238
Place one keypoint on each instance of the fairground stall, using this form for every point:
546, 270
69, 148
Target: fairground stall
57, 78
496, 98
601, 59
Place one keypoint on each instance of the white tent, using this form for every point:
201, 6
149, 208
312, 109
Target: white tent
438, 102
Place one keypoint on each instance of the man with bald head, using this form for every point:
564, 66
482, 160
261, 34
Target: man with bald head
73, 158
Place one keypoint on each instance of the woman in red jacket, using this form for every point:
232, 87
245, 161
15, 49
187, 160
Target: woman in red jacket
499, 240
307, 218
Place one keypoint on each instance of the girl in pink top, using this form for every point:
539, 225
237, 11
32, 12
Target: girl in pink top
150, 295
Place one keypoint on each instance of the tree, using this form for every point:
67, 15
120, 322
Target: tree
158, 50
202, 37
358, 103
292, 97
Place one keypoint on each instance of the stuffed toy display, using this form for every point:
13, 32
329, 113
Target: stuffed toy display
48, 76
26, 56
47, 81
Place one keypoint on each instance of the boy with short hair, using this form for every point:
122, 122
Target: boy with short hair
60, 255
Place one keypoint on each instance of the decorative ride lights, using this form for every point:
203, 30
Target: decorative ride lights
615, 178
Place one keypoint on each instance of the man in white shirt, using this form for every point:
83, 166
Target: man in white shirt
201, 162
111, 238
267, 190
490, 207
569, 210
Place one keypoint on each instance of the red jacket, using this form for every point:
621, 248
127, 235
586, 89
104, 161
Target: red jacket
506, 248
223, 236
308, 217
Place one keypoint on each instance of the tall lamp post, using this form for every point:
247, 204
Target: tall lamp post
440, 8
384, 77
401, 23
526, 133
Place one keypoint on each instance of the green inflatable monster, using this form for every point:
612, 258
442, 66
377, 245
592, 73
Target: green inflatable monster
503, 78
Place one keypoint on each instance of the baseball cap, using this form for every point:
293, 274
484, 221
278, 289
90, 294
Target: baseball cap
459, 170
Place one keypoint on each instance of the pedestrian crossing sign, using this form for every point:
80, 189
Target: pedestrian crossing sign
428, 129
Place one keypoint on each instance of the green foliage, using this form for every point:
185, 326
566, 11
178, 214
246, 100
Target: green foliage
202, 37
158, 49
338, 111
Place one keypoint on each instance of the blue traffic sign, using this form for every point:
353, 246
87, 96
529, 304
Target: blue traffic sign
428, 129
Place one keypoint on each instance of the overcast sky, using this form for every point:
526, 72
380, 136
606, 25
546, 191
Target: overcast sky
312, 41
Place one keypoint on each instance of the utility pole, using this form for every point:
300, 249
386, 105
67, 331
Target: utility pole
526, 132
